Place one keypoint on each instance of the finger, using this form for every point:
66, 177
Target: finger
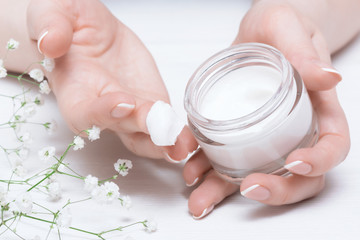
211, 192
141, 144
283, 29
196, 168
103, 111
165, 124
334, 140
51, 25
276, 190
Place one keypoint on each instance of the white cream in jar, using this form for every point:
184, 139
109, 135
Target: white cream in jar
248, 109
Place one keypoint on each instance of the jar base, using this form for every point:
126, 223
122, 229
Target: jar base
276, 167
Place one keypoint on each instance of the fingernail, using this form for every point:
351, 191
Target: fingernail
299, 167
193, 183
171, 160
256, 192
122, 110
204, 213
40, 41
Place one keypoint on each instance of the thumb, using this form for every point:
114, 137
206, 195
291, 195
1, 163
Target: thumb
50, 23
301, 44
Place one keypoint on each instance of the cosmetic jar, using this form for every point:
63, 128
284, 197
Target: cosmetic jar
248, 108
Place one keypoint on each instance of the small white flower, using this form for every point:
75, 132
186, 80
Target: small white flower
37, 75
64, 219
38, 100
106, 193
48, 64
29, 111
78, 142
25, 138
46, 153
44, 87
123, 166
23, 153
150, 225
24, 203
94, 133
50, 127
91, 183
54, 190
126, 202
4, 200
12, 44
20, 171
3, 72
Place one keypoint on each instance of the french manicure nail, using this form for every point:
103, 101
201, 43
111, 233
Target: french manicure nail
299, 167
171, 160
193, 183
332, 70
121, 110
204, 213
40, 41
256, 192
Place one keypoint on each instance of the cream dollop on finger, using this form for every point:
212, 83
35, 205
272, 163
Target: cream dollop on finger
163, 124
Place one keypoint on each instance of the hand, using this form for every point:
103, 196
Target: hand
304, 46
104, 75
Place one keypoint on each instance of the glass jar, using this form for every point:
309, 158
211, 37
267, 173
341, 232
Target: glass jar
248, 109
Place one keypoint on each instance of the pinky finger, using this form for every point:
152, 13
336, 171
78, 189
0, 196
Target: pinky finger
276, 190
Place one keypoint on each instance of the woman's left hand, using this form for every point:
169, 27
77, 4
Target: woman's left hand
304, 46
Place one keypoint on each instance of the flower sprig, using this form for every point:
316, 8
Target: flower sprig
18, 191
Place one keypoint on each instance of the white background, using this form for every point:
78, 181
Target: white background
181, 35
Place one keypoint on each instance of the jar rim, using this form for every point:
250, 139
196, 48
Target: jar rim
215, 63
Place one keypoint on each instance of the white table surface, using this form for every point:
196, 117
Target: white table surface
181, 35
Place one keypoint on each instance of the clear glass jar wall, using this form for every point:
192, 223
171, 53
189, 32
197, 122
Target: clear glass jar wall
237, 136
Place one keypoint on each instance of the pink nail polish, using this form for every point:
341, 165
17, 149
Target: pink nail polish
299, 167
204, 213
256, 192
122, 110
193, 183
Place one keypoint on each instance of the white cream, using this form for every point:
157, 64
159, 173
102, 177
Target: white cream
163, 124
244, 91
240, 92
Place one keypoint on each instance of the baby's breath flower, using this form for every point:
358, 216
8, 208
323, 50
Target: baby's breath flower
54, 190
106, 193
48, 64
23, 153
126, 202
38, 100
94, 133
78, 142
12, 44
64, 219
4, 200
123, 166
24, 203
37, 75
150, 225
91, 183
3, 72
47, 153
20, 171
44, 87
29, 111
50, 127
25, 138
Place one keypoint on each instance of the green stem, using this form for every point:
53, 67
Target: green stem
23, 79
